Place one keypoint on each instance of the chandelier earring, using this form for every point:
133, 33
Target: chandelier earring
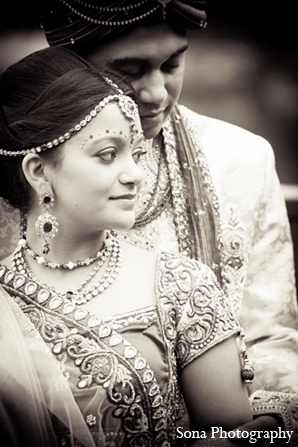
46, 225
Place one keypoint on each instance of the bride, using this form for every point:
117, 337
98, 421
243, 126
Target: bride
102, 343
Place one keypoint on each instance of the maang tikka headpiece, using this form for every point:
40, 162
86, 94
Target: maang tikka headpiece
126, 104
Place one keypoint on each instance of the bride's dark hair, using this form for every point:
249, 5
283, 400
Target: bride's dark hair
41, 97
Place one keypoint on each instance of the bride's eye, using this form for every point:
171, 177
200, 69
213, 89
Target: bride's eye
107, 155
138, 153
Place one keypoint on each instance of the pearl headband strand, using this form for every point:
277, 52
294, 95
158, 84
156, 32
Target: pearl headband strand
127, 106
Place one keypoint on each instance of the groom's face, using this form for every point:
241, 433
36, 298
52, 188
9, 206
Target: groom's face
152, 60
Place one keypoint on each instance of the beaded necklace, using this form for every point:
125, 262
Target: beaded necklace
155, 199
71, 298
55, 265
171, 188
178, 191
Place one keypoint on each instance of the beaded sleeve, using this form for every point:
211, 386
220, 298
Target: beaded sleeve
196, 311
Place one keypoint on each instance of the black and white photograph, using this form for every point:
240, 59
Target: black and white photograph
148, 223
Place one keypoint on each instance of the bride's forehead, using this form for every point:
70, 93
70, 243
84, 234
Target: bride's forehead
112, 120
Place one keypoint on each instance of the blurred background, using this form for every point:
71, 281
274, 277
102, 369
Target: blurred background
242, 68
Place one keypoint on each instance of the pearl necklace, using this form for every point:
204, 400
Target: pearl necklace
71, 298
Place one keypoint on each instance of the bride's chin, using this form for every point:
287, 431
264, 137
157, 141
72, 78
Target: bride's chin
124, 226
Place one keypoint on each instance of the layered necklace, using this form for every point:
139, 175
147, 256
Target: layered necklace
108, 259
164, 187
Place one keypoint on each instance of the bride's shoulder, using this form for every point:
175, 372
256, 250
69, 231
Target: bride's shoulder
138, 260
166, 263
133, 252
182, 273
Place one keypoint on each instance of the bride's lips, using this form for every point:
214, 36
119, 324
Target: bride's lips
125, 197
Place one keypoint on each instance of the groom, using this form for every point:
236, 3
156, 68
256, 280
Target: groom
236, 216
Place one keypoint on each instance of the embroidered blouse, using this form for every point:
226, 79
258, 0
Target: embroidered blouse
122, 372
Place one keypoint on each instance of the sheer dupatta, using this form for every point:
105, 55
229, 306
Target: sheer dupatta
31, 386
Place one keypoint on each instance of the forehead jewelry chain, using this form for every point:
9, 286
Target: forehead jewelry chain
126, 104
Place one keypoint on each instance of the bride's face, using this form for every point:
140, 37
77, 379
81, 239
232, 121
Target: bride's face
97, 182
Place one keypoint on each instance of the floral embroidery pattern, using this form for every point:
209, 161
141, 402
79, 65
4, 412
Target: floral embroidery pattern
235, 260
203, 314
193, 317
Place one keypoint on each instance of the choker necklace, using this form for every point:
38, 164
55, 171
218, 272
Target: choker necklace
71, 298
64, 266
